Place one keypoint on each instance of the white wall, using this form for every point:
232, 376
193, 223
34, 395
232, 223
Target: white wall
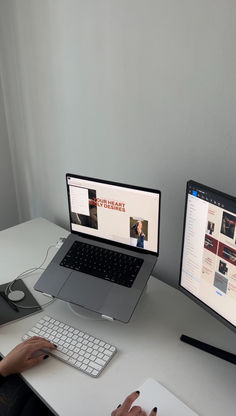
141, 92
8, 203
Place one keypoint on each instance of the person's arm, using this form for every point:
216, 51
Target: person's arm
25, 355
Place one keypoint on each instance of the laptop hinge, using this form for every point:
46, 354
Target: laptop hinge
109, 318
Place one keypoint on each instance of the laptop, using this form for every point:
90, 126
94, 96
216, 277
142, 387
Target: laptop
106, 261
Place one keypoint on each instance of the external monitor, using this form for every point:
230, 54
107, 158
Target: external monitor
208, 262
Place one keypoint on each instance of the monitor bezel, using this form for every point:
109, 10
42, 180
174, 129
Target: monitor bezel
181, 288
107, 241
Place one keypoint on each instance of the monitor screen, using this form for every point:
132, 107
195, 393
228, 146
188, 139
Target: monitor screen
208, 265
119, 213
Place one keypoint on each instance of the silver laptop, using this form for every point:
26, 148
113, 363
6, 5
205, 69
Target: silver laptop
106, 261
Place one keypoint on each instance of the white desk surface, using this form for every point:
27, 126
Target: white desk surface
148, 346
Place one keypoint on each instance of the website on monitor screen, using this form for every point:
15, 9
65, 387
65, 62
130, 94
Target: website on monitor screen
209, 254
124, 215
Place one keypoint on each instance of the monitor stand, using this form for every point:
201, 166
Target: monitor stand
227, 356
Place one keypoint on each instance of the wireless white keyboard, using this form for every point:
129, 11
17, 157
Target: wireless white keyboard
74, 347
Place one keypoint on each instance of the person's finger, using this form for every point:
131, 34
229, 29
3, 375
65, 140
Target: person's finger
135, 411
32, 339
142, 413
40, 345
129, 401
153, 412
115, 412
35, 339
42, 342
36, 360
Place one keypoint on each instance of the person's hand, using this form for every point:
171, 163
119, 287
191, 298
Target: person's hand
25, 355
126, 408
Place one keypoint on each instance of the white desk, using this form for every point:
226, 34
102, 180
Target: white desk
148, 346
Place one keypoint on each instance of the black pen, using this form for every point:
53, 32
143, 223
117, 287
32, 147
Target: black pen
10, 303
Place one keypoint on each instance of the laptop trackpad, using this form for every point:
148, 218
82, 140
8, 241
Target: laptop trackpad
85, 290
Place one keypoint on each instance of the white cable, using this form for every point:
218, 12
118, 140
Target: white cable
28, 271
25, 274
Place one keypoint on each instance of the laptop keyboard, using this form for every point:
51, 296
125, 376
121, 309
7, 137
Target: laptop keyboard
103, 263
83, 351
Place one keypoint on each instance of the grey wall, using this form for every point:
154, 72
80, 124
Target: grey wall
135, 91
8, 203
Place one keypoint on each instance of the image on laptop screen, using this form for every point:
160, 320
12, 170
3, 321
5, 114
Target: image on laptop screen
114, 212
209, 251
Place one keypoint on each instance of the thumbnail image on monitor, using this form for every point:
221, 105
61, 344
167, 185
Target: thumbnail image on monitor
208, 263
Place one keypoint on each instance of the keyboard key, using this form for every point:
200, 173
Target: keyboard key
99, 361
107, 352
95, 366
31, 334
78, 364
75, 356
60, 354
112, 349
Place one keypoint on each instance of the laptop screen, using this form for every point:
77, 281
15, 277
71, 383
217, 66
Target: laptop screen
111, 211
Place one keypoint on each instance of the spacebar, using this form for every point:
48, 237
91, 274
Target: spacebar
93, 272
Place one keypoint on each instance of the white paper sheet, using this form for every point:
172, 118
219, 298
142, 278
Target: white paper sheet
153, 394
